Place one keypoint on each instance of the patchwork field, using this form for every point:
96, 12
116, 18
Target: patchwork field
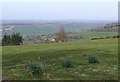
50, 28
15, 57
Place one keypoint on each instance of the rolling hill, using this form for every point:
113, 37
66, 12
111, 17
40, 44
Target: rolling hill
15, 57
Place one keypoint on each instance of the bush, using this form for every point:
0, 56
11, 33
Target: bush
93, 59
117, 36
35, 68
108, 37
67, 63
100, 38
93, 38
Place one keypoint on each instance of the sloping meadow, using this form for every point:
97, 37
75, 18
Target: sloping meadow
51, 55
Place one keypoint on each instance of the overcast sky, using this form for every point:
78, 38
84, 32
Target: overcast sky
60, 11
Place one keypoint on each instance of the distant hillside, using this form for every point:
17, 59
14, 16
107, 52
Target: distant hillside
111, 25
48, 28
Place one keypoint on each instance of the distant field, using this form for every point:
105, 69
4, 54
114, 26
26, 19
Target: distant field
76, 36
31, 30
89, 35
50, 28
115, 27
14, 57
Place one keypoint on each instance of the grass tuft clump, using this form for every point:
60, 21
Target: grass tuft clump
35, 68
93, 59
67, 63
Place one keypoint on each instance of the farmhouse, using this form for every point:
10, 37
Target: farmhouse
52, 40
47, 40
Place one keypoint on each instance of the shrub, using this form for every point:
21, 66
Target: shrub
35, 68
97, 38
93, 38
118, 36
100, 38
115, 37
108, 37
93, 59
67, 63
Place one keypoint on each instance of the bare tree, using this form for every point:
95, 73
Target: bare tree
61, 35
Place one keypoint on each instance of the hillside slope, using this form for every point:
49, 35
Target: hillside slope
14, 57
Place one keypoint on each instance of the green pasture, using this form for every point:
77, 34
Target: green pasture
15, 57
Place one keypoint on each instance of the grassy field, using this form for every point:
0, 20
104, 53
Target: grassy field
14, 57
89, 35
75, 36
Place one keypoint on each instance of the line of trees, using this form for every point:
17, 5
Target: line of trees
14, 39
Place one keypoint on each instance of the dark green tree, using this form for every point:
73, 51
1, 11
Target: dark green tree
16, 39
6, 40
